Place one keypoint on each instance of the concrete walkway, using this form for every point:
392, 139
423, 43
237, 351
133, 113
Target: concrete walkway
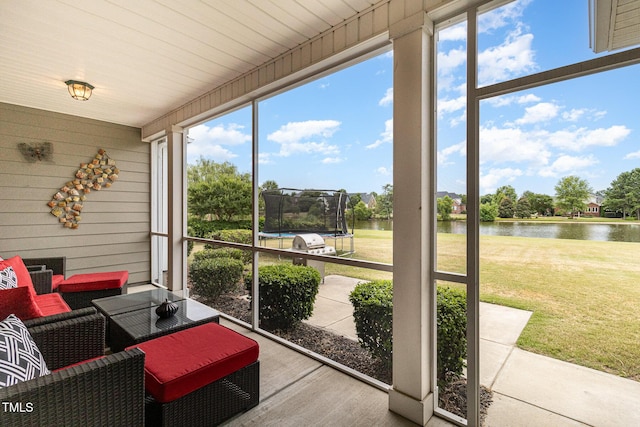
528, 389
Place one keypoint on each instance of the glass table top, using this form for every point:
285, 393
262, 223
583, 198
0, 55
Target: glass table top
145, 322
119, 304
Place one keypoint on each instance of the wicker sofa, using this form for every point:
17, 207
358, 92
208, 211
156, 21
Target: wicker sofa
104, 391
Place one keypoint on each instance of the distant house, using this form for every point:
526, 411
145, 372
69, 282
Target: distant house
594, 205
367, 198
458, 206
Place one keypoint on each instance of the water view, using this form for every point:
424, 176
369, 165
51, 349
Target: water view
570, 230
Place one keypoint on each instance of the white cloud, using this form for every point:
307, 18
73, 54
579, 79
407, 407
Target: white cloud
455, 32
451, 60
582, 138
450, 105
295, 137
501, 16
210, 142
385, 137
264, 158
506, 100
514, 57
501, 145
384, 171
566, 164
574, 114
232, 134
459, 148
540, 112
634, 155
330, 160
387, 99
497, 177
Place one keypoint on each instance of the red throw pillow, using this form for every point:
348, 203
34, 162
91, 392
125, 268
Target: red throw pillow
20, 302
24, 278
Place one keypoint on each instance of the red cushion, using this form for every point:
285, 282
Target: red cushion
24, 278
56, 280
179, 363
20, 302
52, 304
94, 281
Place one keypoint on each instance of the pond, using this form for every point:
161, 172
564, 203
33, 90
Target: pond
570, 230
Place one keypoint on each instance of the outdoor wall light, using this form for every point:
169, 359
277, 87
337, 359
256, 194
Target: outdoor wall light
79, 90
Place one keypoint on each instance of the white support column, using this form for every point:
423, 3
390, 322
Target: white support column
176, 209
413, 208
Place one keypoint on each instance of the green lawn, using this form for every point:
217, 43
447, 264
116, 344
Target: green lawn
584, 295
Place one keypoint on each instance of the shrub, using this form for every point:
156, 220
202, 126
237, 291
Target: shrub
198, 227
212, 277
452, 331
287, 294
372, 312
202, 227
219, 253
488, 212
373, 309
235, 236
190, 243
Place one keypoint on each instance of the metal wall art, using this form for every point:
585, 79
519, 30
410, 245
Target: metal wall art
67, 204
36, 151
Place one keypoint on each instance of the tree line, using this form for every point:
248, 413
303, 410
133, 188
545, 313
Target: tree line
218, 191
572, 194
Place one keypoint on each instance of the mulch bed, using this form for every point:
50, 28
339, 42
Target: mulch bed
349, 353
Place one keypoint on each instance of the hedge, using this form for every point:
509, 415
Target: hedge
211, 277
287, 294
373, 313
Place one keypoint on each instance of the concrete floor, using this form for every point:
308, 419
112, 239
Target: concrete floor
528, 389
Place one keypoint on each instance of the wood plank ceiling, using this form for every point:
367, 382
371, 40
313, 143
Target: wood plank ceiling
146, 57
616, 24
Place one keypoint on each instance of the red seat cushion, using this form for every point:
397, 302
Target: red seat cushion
179, 363
94, 281
56, 280
52, 304
19, 301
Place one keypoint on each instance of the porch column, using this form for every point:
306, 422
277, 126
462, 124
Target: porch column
176, 198
413, 209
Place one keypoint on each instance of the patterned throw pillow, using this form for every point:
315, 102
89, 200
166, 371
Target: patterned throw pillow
8, 279
20, 359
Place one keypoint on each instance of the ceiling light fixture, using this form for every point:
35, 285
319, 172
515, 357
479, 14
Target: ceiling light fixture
79, 90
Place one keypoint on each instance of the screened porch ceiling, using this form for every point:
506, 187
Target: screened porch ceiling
148, 57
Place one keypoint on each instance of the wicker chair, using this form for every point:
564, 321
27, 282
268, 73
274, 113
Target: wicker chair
69, 338
42, 271
106, 391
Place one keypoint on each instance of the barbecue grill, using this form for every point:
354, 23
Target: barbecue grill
311, 243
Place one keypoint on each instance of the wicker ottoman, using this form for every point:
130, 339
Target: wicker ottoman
79, 289
200, 376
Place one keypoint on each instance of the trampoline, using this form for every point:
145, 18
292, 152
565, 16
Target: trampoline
290, 211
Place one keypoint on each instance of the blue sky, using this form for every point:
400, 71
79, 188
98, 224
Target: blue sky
336, 132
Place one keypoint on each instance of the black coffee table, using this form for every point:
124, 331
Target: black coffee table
119, 304
132, 318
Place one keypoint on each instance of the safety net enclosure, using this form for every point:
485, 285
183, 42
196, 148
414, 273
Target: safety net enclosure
290, 211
